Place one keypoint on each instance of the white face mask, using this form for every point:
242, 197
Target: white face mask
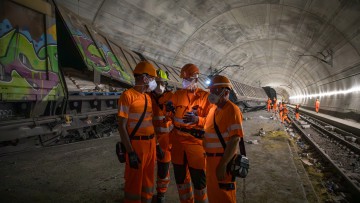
188, 84
214, 99
152, 85
160, 89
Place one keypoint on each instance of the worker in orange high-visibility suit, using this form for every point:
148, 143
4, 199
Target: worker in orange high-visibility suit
159, 97
141, 148
280, 110
190, 108
274, 105
317, 105
297, 111
221, 185
269, 104
285, 115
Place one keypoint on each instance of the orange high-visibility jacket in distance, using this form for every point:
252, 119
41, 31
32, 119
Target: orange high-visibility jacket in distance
317, 105
269, 102
229, 121
139, 183
274, 104
285, 115
297, 112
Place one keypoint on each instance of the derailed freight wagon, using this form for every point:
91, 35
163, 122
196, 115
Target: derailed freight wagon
59, 79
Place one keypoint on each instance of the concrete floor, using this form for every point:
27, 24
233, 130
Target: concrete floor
89, 171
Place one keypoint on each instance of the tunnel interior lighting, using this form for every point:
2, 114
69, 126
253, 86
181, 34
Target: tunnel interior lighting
351, 90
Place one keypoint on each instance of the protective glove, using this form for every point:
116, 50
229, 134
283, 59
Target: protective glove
159, 152
134, 160
190, 117
170, 107
244, 167
238, 166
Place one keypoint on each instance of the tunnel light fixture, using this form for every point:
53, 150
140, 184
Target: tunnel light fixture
351, 90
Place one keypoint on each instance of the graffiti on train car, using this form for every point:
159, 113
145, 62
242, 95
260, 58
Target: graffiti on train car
28, 63
96, 56
117, 69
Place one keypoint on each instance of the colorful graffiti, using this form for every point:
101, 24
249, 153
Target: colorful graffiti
28, 67
96, 55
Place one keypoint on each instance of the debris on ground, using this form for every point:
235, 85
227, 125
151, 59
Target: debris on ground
306, 162
252, 142
262, 132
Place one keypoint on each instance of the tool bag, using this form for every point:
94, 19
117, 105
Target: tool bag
120, 147
239, 165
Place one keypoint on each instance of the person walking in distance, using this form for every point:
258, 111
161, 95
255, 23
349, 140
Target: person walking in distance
190, 106
224, 119
297, 111
268, 104
159, 97
285, 115
317, 105
137, 135
274, 105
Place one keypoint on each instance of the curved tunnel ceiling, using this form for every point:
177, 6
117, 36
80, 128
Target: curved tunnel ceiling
266, 37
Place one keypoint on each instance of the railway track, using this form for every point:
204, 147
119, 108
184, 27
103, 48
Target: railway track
340, 149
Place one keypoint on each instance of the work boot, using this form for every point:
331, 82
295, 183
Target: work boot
160, 198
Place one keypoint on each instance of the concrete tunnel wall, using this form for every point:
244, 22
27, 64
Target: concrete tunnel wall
266, 37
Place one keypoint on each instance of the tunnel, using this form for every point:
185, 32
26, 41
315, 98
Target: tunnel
73, 75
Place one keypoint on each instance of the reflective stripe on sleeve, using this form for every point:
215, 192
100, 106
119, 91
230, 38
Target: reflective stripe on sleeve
158, 118
214, 135
124, 109
144, 124
234, 127
162, 130
138, 115
214, 145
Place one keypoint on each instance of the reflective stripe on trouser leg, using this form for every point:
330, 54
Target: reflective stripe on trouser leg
146, 194
182, 177
163, 177
139, 183
198, 178
215, 193
185, 192
201, 196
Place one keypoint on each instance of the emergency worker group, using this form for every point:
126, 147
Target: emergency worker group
283, 111
199, 132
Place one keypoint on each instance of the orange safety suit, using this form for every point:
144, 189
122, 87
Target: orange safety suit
139, 183
187, 153
269, 104
280, 110
317, 106
285, 115
274, 105
297, 113
229, 126
162, 127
